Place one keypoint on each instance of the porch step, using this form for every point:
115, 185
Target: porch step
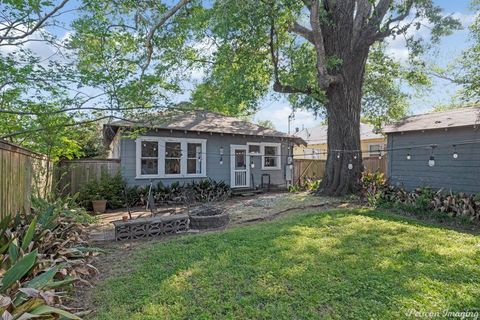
245, 192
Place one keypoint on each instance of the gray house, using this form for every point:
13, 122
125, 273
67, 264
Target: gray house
440, 150
197, 145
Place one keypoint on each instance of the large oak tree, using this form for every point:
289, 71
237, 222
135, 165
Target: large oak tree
316, 52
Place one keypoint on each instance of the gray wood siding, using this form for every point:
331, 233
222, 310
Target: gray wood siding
458, 175
214, 170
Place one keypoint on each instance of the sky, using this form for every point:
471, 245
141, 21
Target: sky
277, 109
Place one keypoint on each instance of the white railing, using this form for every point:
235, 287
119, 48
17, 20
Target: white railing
240, 178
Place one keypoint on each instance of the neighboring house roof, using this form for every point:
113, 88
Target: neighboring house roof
318, 135
437, 120
203, 121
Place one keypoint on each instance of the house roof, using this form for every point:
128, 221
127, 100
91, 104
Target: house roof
318, 134
203, 121
437, 120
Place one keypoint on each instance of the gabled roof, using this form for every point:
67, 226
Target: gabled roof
202, 121
437, 120
318, 134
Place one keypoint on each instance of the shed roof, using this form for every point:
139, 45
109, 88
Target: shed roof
437, 120
203, 121
318, 134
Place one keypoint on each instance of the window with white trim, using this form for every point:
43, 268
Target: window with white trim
149, 158
271, 156
194, 158
254, 149
173, 157
162, 157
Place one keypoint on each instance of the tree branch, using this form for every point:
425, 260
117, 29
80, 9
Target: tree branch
377, 31
167, 15
38, 25
364, 9
303, 31
322, 80
74, 124
277, 85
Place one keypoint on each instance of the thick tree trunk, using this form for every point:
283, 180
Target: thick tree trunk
344, 161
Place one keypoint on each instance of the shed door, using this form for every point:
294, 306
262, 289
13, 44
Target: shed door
240, 170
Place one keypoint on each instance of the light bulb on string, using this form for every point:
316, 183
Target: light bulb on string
338, 155
252, 165
455, 153
409, 157
221, 160
431, 161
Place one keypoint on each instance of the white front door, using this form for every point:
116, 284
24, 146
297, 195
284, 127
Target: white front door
239, 166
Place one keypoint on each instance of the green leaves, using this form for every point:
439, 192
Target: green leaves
48, 310
18, 270
29, 234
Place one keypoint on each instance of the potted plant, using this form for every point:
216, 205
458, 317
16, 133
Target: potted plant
99, 204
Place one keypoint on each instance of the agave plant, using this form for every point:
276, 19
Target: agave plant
40, 254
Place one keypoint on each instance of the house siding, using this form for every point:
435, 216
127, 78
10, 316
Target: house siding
457, 175
214, 170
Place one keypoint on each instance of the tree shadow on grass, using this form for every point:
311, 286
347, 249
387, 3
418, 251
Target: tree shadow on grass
338, 265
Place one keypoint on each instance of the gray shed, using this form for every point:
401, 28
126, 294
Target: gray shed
451, 139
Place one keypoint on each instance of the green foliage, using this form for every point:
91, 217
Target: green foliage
108, 187
422, 202
338, 264
66, 207
307, 185
372, 185
34, 276
241, 32
266, 124
206, 190
384, 98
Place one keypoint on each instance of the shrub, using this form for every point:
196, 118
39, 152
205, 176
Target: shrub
307, 185
207, 190
110, 188
42, 254
423, 201
373, 184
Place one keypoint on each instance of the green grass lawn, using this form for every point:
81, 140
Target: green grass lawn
349, 264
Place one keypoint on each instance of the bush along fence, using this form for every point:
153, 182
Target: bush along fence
23, 173
43, 254
422, 200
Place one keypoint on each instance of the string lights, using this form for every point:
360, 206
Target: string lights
431, 161
455, 153
353, 154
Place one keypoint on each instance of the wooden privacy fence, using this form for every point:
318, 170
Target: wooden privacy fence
307, 169
315, 168
23, 173
73, 174
372, 164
